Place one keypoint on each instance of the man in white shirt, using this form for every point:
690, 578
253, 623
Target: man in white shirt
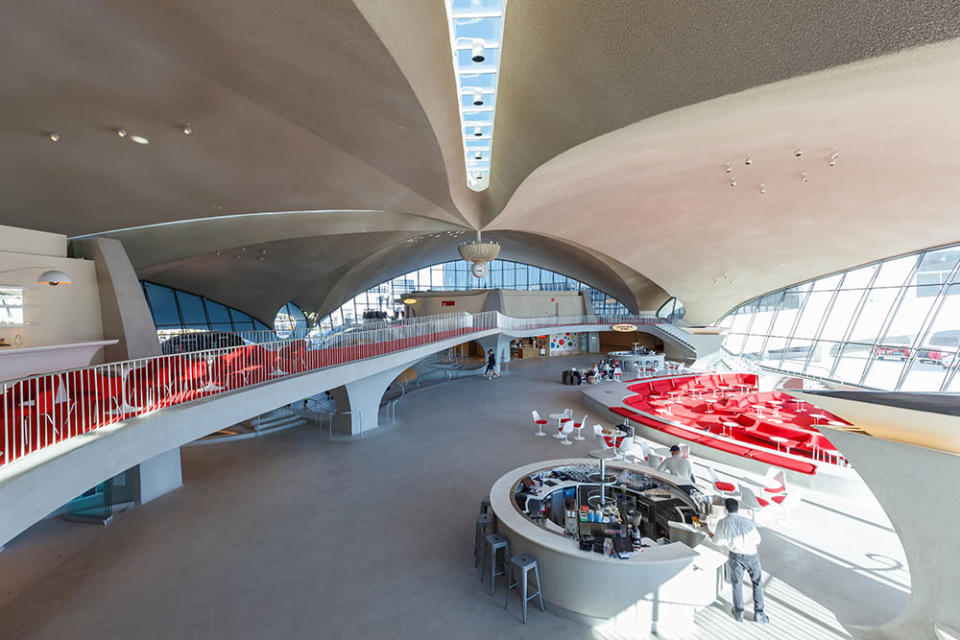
679, 466
741, 537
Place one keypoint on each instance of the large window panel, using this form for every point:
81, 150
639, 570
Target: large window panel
812, 314
911, 314
841, 314
874, 314
853, 360
734, 343
893, 273
859, 278
789, 310
219, 316
936, 266
192, 310
827, 283
887, 365
163, 306
741, 322
822, 356
795, 355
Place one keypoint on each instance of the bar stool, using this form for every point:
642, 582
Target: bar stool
495, 542
485, 526
525, 563
485, 505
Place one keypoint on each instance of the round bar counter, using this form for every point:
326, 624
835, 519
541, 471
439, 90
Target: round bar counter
657, 588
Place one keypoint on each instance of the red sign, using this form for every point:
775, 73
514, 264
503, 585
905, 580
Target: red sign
448, 303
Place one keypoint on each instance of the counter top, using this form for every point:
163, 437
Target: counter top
24, 360
501, 500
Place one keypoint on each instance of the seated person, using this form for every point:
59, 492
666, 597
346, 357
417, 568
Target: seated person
575, 374
591, 374
606, 372
678, 466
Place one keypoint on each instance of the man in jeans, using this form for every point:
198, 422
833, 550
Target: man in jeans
741, 537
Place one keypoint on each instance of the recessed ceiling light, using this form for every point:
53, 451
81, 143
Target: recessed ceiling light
139, 139
54, 136
122, 133
187, 129
763, 188
747, 161
478, 131
477, 98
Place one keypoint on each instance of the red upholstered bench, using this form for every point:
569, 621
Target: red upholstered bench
723, 445
783, 462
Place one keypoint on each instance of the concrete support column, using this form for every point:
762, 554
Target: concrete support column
126, 316
159, 475
501, 348
362, 400
123, 307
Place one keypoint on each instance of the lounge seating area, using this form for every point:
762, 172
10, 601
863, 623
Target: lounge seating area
726, 412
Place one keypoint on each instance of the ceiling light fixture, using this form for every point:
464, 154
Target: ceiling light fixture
763, 188
187, 129
476, 51
478, 253
122, 133
733, 182
833, 158
747, 161
54, 136
798, 152
478, 131
477, 98
804, 177
478, 156
727, 168
139, 140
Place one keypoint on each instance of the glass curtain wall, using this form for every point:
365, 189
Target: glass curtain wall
892, 325
176, 312
455, 276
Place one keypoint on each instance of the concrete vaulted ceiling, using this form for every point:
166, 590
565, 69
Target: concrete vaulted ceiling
614, 121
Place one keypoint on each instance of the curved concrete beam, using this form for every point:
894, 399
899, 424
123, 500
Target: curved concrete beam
915, 492
33, 486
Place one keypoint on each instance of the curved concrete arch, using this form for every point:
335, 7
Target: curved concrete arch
555, 254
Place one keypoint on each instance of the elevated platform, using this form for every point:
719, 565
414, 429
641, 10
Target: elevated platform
713, 440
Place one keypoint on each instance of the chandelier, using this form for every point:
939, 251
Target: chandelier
478, 254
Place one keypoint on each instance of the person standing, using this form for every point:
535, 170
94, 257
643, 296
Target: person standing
491, 371
741, 537
679, 466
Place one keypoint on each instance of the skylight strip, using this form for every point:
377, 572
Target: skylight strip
479, 30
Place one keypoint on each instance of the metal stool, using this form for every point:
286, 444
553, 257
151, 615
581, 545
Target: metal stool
485, 505
495, 542
485, 526
525, 563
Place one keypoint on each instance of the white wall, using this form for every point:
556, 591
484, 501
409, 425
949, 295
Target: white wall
52, 315
536, 304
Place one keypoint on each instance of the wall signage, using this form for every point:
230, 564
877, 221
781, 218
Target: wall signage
448, 303
624, 328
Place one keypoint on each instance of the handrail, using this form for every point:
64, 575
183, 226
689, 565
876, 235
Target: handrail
38, 411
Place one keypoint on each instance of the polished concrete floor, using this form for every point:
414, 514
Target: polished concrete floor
295, 536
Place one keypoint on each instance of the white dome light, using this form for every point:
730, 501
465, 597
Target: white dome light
476, 51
